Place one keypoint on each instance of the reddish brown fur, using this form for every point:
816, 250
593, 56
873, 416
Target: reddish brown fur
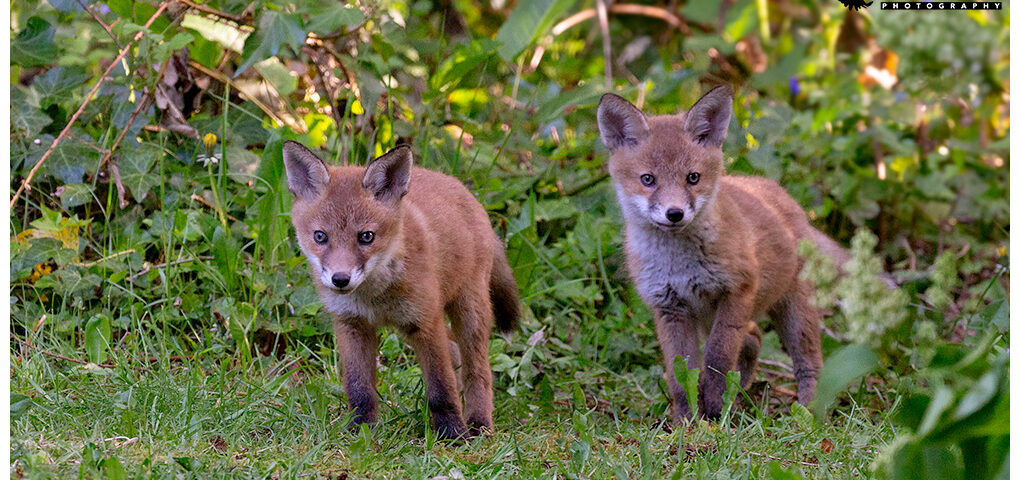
432, 244
731, 260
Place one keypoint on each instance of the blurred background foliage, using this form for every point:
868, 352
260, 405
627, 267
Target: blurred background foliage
157, 224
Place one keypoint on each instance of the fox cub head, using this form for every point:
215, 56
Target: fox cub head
347, 218
666, 168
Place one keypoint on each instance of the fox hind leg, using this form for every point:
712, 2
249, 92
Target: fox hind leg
747, 361
798, 323
431, 346
471, 316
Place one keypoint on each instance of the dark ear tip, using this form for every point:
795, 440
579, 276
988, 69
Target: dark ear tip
721, 90
293, 147
611, 97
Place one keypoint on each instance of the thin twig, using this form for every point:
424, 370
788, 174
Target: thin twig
775, 373
149, 267
212, 11
134, 115
607, 54
284, 119
776, 364
323, 79
336, 56
25, 184
98, 20
781, 460
55, 355
624, 9
199, 199
101, 260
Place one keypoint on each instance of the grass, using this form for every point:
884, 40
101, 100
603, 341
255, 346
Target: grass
175, 337
204, 415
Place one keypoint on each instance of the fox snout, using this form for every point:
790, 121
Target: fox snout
341, 280
669, 215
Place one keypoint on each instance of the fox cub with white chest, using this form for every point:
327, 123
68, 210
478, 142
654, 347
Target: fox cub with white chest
391, 245
710, 253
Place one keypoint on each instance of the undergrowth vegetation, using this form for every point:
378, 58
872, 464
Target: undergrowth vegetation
163, 323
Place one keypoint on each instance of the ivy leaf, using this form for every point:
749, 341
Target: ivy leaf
75, 194
75, 156
69, 6
26, 116
34, 45
134, 166
275, 29
57, 84
333, 16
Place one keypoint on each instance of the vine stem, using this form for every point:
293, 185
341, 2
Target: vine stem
25, 184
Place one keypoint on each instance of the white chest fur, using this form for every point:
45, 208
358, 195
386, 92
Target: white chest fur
378, 311
674, 271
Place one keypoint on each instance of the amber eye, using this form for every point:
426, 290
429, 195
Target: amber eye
320, 237
647, 179
366, 237
693, 177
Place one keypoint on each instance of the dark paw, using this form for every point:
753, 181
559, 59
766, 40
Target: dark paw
710, 409
452, 428
358, 420
479, 427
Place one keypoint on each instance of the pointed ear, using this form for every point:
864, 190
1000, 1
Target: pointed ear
307, 176
708, 120
621, 124
387, 177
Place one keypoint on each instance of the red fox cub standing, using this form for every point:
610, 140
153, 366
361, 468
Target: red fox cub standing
391, 245
710, 253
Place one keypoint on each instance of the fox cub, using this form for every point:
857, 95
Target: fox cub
391, 245
710, 253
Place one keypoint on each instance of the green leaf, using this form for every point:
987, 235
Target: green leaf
135, 165
706, 11
211, 31
688, 379
69, 6
19, 405
730, 394
97, 338
113, 469
275, 30
34, 45
188, 463
802, 416
586, 95
741, 20
56, 85
529, 19
997, 313
75, 156
333, 15
776, 472
26, 115
456, 67
75, 194
841, 368
978, 395
278, 75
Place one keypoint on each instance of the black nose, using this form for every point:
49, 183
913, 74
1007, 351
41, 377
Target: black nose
674, 215
340, 280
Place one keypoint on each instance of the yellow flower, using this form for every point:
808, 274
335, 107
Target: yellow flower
209, 140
